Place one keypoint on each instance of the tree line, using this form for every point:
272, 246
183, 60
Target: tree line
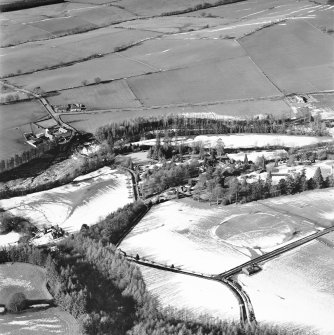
178, 125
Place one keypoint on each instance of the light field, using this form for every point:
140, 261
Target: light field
22, 277
211, 240
295, 291
8, 239
47, 322
289, 55
313, 205
85, 200
194, 295
253, 155
236, 141
116, 94
187, 85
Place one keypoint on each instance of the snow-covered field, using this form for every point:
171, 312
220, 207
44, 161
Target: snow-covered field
44, 322
317, 206
211, 240
248, 140
87, 199
22, 277
8, 239
296, 290
195, 295
253, 155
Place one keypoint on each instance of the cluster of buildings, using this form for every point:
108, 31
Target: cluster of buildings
46, 131
70, 108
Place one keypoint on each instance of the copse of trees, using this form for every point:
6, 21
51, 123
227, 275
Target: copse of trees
17, 302
169, 175
113, 227
17, 224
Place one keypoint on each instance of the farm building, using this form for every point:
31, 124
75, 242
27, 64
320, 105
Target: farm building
251, 269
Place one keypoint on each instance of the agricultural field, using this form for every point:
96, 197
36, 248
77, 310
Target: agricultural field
187, 85
31, 280
116, 94
87, 199
195, 295
237, 141
22, 277
289, 56
46, 322
253, 155
167, 54
146, 7
58, 51
173, 24
106, 68
13, 117
316, 206
295, 290
245, 21
50, 21
211, 240
8, 239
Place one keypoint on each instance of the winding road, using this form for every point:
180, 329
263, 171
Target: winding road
45, 104
247, 315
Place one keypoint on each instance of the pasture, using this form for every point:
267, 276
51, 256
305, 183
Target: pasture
22, 277
116, 94
211, 240
236, 78
289, 55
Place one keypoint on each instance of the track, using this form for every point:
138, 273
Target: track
275, 253
246, 308
45, 104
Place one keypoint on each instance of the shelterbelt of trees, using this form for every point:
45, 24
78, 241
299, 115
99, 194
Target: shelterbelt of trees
106, 293
177, 125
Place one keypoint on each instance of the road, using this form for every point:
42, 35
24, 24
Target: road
247, 315
246, 308
275, 253
45, 104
